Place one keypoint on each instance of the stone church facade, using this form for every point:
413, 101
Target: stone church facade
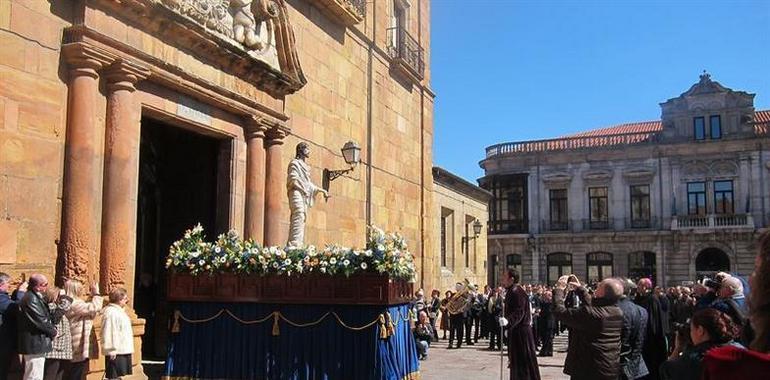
124, 123
674, 199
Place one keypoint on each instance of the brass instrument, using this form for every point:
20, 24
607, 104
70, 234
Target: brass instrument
460, 301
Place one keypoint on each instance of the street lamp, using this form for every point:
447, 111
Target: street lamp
476, 231
351, 152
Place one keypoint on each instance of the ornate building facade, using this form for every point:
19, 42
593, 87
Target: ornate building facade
674, 199
461, 250
124, 123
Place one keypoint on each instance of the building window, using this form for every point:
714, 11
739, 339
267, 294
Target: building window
508, 207
598, 212
599, 266
696, 198
641, 265
699, 125
723, 197
640, 206
559, 213
715, 123
443, 240
466, 245
559, 264
513, 261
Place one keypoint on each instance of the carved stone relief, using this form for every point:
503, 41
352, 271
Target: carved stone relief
251, 23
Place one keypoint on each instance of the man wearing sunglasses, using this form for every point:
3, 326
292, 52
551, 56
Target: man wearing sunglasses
35, 328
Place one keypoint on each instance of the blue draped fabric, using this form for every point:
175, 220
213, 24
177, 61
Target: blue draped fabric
225, 348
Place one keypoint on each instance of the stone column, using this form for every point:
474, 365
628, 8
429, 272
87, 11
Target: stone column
255, 180
121, 177
275, 189
80, 202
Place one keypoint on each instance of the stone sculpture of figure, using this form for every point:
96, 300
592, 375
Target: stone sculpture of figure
302, 192
251, 20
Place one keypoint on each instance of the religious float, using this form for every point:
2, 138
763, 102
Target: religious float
243, 311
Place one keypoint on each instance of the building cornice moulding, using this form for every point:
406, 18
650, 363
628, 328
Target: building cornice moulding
253, 42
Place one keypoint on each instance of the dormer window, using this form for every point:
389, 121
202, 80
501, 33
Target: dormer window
715, 123
699, 126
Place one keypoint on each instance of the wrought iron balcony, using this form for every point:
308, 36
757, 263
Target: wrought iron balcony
605, 224
712, 221
406, 52
556, 226
641, 224
348, 12
616, 141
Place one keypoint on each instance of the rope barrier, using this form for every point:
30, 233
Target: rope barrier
386, 322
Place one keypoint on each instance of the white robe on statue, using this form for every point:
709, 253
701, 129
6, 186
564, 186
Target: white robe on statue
301, 192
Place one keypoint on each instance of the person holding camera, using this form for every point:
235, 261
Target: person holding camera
595, 327
709, 328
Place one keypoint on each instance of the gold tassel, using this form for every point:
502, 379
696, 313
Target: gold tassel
383, 328
391, 327
276, 329
175, 324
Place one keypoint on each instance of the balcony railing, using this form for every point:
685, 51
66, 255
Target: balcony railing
499, 227
556, 226
712, 221
406, 52
571, 143
605, 224
641, 224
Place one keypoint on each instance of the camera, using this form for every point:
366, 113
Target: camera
711, 283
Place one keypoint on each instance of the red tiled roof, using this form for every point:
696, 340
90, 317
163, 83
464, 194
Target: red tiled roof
760, 117
638, 127
622, 134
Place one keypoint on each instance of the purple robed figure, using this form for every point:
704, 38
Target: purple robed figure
522, 358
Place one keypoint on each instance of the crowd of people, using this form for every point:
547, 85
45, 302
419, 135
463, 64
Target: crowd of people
716, 328
49, 332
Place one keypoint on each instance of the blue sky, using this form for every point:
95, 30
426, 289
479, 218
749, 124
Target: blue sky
507, 70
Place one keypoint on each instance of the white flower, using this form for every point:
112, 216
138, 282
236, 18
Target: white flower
275, 265
195, 254
287, 262
363, 265
202, 262
333, 261
356, 253
254, 250
217, 249
380, 247
346, 262
323, 270
368, 253
222, 259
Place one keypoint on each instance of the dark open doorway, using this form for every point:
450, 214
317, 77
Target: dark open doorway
180, 184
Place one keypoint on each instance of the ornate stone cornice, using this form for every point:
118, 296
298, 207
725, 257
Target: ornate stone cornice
251, 39
123, 75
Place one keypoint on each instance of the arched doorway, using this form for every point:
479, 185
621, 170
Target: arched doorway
642, 265
710, 261
559, 264
599, 266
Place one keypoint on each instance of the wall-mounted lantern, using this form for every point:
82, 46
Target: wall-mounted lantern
351, 152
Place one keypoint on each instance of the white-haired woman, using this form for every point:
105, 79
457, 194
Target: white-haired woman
81, 316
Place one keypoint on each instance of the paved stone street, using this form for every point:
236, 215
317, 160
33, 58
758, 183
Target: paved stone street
476, 363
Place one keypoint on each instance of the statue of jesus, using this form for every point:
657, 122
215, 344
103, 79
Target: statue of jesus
301, 192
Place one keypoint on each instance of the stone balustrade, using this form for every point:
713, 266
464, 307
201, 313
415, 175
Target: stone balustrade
570, 143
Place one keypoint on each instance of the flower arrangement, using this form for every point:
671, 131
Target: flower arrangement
385, 253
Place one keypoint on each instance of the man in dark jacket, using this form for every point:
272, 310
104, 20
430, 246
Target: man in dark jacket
546, 323
35, 328
8, 311
595, 327
632, 365
654, 350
